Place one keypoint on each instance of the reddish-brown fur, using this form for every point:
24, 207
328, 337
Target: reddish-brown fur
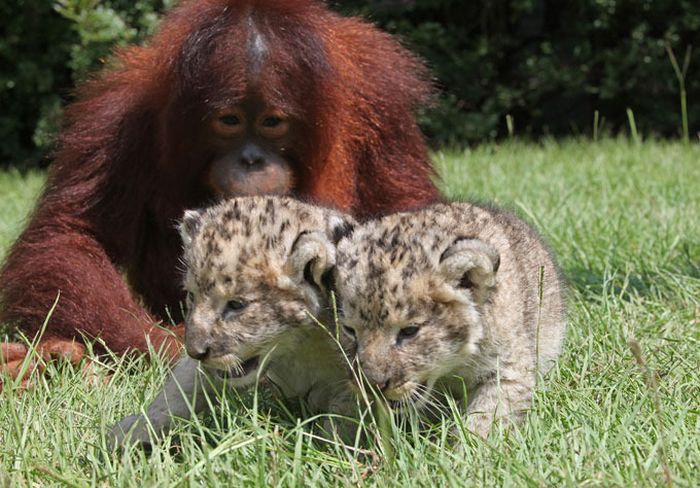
131, 155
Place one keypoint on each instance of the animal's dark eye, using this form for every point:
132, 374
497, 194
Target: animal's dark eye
235, 305
272, 126
271, 122
349, 331
407, 333
230, 120
232, 308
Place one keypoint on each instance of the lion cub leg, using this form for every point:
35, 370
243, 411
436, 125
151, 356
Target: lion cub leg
184, 395
504, 396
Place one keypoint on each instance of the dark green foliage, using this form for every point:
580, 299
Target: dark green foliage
34, 48
548, 63
45, 47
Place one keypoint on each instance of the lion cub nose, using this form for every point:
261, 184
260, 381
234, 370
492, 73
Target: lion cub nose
198, 342
379, 385
198, 352
382, 386
376, 377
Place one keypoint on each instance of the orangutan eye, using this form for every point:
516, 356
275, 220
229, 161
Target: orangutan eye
271, 122
406, 333
349, 331
230, 120
273, 126
232, 308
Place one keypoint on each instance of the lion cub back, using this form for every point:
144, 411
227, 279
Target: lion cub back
389, 267
451, 296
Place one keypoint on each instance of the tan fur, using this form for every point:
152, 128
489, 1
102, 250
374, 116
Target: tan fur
254, 250
469, 278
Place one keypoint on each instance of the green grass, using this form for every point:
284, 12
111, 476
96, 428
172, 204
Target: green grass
17, 194
625, 222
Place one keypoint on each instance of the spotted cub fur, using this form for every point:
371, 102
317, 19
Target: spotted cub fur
449, 299
255, 271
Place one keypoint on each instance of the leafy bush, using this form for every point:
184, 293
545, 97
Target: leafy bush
549, 64
45, 48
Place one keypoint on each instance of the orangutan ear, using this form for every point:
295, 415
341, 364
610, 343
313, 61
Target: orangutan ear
471, 264
189, 225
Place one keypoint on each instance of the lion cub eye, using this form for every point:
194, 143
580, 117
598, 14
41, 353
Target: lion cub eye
406, 333
349, 331
233, 308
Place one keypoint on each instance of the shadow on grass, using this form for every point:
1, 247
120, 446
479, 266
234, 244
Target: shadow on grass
626, 278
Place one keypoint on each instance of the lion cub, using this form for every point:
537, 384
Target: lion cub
255, 271
449, 298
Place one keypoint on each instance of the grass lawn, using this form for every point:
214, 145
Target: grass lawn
625, 222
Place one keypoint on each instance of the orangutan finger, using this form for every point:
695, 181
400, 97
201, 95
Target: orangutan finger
174, 348
12, 351
179, 331
166, 343
14, 369
62, 349
25, 384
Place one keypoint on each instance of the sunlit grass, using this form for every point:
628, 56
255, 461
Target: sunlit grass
624, 220
17, 194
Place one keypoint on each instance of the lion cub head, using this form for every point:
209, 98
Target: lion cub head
255, 271
410, 295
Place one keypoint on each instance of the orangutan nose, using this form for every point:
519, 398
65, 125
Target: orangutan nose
252, 155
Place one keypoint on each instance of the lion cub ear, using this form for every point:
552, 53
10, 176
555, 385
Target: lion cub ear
312, 258
339, 226
471, 264
312, 255
189, 225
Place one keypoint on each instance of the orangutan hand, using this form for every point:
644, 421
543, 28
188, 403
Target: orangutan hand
179, 331
14, 361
